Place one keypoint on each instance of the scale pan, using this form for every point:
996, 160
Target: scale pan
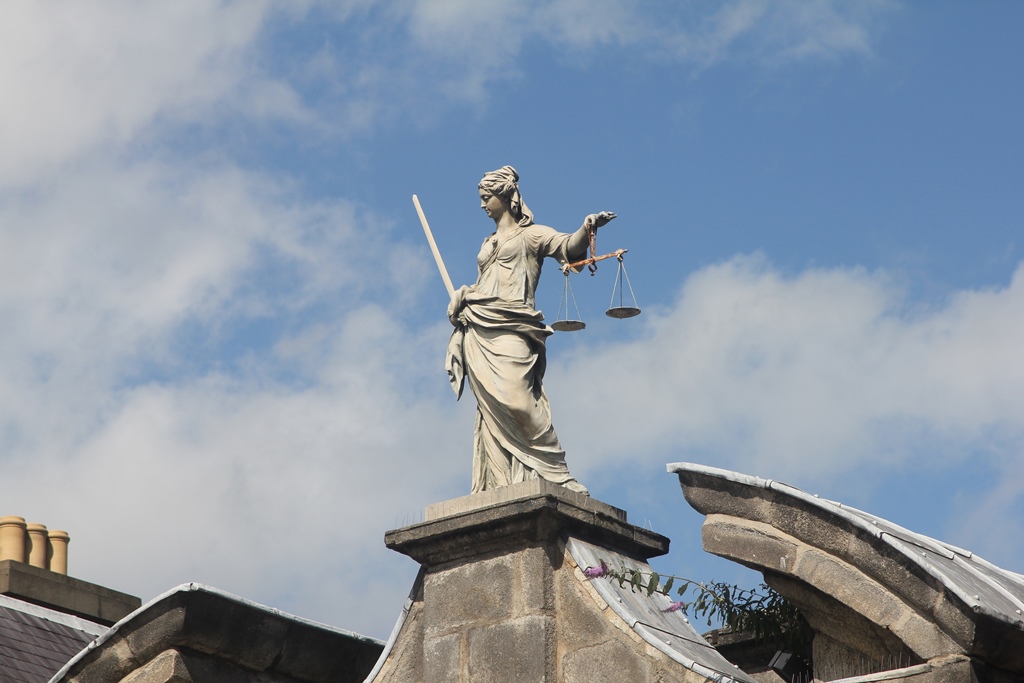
622, 312
568, 325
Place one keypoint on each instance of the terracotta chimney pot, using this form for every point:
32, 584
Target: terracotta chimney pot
12, 538
38, 545
59, 551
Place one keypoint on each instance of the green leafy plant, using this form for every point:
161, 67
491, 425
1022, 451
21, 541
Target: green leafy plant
762, 612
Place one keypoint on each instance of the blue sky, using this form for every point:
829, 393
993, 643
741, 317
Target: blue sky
225, 334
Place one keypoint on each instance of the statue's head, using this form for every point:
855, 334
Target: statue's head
504, 183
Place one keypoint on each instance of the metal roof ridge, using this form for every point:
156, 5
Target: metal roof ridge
575, 547
56, 616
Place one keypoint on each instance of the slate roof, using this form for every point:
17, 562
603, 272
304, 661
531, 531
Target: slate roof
985, 588
35, 642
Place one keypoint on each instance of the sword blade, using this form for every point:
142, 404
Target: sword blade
433, 247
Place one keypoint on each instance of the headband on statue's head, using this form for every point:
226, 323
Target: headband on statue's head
505, 183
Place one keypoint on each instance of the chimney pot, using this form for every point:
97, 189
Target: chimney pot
59, 551
38, 545
12, 538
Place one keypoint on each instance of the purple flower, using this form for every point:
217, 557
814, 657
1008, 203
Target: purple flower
596, 572
674, 607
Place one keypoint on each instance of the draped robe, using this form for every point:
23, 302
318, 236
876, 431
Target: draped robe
499, 347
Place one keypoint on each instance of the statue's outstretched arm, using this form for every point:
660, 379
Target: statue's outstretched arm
580, 239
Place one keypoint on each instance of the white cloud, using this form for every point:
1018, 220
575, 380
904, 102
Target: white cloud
495, 32
76, 76
93, 76
819, 374
487, 35
281, 490
382, 63
141, 414
264, 489
105, 269
830, 379
142, 407
785, 31
176, 444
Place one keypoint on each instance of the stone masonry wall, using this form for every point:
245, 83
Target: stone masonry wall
501, 599
527, 615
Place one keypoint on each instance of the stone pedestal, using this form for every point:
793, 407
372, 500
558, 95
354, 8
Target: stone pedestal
500, 596
533, 513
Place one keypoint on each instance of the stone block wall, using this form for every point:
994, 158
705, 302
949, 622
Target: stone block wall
500, 598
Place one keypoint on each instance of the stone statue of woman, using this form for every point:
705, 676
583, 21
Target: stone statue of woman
498, 342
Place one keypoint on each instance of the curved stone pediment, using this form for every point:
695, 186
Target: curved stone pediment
868, 587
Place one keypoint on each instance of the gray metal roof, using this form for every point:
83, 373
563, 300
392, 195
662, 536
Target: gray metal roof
35, 641
669, 632
985, 588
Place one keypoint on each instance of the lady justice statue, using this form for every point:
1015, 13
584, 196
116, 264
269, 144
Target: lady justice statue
499, 340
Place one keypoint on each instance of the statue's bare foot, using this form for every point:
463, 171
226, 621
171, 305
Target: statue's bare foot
576, 487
